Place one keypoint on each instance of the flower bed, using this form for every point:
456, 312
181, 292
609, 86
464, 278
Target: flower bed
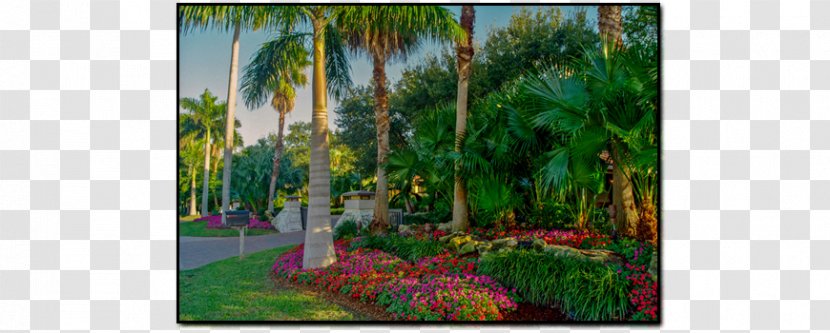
433, 288
572, 238
215, 222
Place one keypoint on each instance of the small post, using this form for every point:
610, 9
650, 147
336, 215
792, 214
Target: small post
242, 242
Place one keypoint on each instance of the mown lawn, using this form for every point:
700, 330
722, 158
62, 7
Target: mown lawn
234, 289
199, 229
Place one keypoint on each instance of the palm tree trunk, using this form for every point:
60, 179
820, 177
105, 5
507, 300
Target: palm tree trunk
627, 217
460, 217
610, 24
215, 172
380, 218
275, 172
229, 124
319, 241
206, 175
192, 191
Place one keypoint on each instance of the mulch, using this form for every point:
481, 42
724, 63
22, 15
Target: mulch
524, 313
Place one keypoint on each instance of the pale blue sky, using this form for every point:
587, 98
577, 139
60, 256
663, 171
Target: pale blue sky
205, 60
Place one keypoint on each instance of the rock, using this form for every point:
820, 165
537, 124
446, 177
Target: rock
603, 256
468, 247
483, 247
445, 239
538, 244
508, 242
455, 243
445, 227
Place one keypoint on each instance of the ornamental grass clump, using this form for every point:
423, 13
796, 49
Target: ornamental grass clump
584, 289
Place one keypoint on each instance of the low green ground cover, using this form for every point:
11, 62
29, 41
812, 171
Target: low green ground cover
234, 289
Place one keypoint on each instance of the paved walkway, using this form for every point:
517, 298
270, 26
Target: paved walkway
195, 252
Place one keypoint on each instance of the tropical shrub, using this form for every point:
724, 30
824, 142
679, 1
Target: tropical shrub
548, 215
346, 230
407, 248
584, 289
338, 211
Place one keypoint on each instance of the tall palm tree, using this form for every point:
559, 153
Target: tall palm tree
328, 60
610, 32
189, 144
388, 33
464, 53
259, 80
226, 18
206, 113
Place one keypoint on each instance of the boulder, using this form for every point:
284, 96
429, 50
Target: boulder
604, 256
484, 247
445, 239
468, 247
458, 241
508, 242
538, 244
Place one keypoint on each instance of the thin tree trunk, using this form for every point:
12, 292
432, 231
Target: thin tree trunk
380, 218
319, 241
206, 175
215, 172
230, 122
460, 217
275, 171
627, 217
193, 210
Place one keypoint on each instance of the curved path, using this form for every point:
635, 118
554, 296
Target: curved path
195, 252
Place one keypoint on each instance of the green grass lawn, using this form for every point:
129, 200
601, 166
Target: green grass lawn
199, 229
234, 289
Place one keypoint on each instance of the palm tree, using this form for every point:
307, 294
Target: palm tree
387, 33
605, 104
328, 60
206, 113
223, 18
259, 80
189, 145
610, 32
464, 53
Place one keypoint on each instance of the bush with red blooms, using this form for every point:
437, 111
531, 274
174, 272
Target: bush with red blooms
643, 294
572, 238
433, 288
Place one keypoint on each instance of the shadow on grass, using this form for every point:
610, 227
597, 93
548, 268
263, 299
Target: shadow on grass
241, 290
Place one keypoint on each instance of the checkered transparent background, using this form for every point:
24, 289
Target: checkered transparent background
87, 167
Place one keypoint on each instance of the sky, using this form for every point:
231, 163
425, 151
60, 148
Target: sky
204, 63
